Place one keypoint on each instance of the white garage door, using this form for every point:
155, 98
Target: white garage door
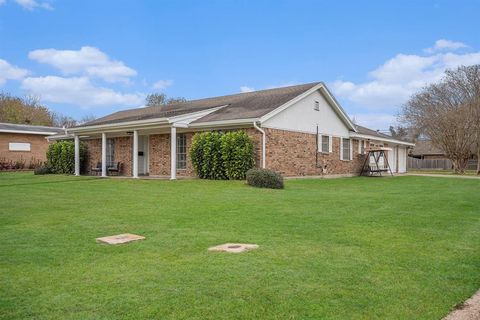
402, 159
392, 159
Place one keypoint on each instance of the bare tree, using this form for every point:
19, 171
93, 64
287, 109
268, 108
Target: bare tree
444, 112
160, 99
466, 81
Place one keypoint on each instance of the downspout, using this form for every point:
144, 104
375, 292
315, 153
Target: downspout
263, 142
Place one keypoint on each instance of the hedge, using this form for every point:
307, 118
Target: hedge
61, 157
264, 178
222, 156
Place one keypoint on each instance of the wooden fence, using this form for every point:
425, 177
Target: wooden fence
429, 164
436, 164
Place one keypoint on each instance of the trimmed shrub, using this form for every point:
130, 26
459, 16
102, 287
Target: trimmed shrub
61, 156
264, 178
237, 154
42, 170
206, 155
222, 156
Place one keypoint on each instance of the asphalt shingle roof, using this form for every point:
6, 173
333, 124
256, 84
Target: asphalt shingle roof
25, 127
238, 106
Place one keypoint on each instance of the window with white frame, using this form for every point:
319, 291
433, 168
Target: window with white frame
181, 151
110, 152
19, 146
346, 149
361, 146
325, 144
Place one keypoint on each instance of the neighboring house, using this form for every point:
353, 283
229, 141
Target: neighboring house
25, 143
424, 149
282, 122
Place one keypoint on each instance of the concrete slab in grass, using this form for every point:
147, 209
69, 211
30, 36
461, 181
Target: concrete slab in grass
120, 238
233, 247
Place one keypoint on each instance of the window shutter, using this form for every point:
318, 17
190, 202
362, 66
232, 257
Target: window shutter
360, 146
330, 144
341, 148
351, 149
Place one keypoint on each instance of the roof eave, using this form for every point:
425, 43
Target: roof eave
372, 137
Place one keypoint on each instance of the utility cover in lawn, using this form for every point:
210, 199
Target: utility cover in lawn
120, 238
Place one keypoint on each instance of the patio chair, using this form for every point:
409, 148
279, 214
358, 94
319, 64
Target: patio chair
97, 170
115, 169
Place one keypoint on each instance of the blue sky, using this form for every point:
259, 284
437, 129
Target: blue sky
96, 57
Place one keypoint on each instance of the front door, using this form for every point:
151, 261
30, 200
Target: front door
143, 155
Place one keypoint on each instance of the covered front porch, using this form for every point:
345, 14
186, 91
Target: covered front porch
156, 152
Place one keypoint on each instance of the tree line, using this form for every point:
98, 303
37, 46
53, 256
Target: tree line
29, 110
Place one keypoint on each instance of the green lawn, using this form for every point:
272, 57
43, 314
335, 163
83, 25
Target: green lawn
448, 172
352, 248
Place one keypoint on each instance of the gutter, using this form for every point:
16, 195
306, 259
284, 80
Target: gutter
263, 142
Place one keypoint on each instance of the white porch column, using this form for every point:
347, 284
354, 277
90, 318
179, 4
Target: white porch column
173, 153
77, 155
104, 154
135, 154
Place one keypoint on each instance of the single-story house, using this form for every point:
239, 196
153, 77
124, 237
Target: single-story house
25, 143
424, 149
298, 131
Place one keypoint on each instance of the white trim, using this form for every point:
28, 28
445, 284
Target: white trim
351, 149
120, 125
330, 144
76, 140
173, 153
223, 123
43, 133
326, 93
371, 137
263, 143
341, 148
135, 154
104, 154
19, 146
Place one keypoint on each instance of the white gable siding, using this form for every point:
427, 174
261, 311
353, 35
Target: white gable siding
302, 117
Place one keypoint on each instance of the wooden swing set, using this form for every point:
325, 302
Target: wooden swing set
376, 163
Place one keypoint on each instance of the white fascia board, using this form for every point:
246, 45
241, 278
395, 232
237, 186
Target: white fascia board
366, 136
28, 132
326, 93
224, 123
120, 125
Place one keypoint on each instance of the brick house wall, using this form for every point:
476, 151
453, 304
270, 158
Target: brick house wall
38, 147
290, 153
293, 154
122, 153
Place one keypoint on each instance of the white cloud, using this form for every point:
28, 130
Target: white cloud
2, 2
397, 79
78, 91
10, 72
33, 4
162, 84
246, 89
443, 44
88, 61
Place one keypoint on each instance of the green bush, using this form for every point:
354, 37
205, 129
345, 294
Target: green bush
44, 169
237, 154
61, 156
222, 156
264, 178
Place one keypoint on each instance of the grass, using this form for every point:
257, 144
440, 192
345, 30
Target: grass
447, 172
351, 248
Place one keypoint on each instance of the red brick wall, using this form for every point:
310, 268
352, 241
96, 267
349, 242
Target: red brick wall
38, 147
293, 154
159, 153
122, 153
290, 153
